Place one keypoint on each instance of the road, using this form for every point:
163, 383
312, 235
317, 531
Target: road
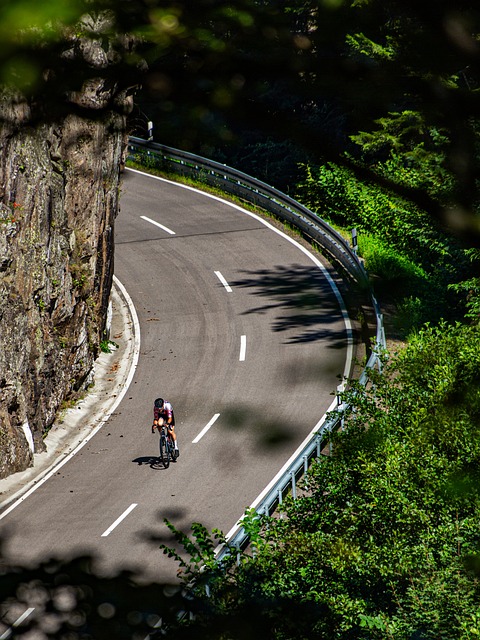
243, 333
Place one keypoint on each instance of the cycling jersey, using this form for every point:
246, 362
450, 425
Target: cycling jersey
165, 412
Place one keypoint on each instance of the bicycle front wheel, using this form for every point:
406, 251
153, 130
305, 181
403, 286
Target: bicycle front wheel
164, 457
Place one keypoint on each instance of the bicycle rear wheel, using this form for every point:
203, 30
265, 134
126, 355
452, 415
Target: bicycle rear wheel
164, 456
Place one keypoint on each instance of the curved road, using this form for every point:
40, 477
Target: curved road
242, 332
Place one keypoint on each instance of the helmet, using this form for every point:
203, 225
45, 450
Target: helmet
159, 403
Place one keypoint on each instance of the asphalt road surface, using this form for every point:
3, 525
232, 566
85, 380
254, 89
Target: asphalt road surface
242, 332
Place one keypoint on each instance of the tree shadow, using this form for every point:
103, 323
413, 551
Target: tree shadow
162, 535
70, 598
301, 298
260, 433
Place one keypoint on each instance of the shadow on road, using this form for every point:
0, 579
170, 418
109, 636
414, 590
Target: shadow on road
153, 462
302, 300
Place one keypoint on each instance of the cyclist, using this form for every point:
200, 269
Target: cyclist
163, 414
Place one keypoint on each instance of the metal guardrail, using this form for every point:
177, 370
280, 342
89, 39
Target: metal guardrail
153, 155
298, 466
257, 193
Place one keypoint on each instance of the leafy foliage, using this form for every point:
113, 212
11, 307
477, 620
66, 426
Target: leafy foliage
471, 289
405, 150
383, 542
336, 195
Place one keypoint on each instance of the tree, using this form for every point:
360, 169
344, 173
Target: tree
384, 540
402, 179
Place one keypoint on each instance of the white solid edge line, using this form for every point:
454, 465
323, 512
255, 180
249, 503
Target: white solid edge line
282, 471
314, 259
157, 625
243, 348
205, 429
119, 520
223, 281
338, 295
157, 224
131, 373
17, 623
23, 617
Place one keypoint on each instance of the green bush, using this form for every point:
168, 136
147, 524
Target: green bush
336, 194
401, 282
384, 540
390, 265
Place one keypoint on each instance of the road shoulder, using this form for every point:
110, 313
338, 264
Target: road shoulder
112, 375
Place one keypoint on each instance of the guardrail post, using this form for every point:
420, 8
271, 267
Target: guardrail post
340, 390
382, 337
294, 485
354, 241
319, 232
305, 469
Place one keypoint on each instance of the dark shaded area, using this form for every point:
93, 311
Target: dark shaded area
72, 600
302, 300
153, 462
291, 87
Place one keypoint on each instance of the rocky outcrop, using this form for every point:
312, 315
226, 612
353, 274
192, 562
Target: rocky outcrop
59, 188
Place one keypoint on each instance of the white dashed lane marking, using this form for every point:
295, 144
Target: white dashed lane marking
157, 224
206, 428
223, 281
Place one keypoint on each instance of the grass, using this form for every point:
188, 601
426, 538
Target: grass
400, 285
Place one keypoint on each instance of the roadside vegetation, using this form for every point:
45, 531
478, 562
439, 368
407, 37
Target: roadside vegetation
385, 541
366, 112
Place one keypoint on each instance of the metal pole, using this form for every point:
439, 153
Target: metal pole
294, 485
354, 241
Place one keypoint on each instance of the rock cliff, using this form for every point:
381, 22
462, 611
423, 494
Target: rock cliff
59, 186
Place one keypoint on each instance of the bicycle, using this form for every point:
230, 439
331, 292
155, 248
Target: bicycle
167, 447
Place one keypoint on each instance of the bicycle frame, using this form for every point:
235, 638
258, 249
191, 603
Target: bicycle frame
168, 436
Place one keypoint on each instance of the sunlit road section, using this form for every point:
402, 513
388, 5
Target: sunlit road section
243, 333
